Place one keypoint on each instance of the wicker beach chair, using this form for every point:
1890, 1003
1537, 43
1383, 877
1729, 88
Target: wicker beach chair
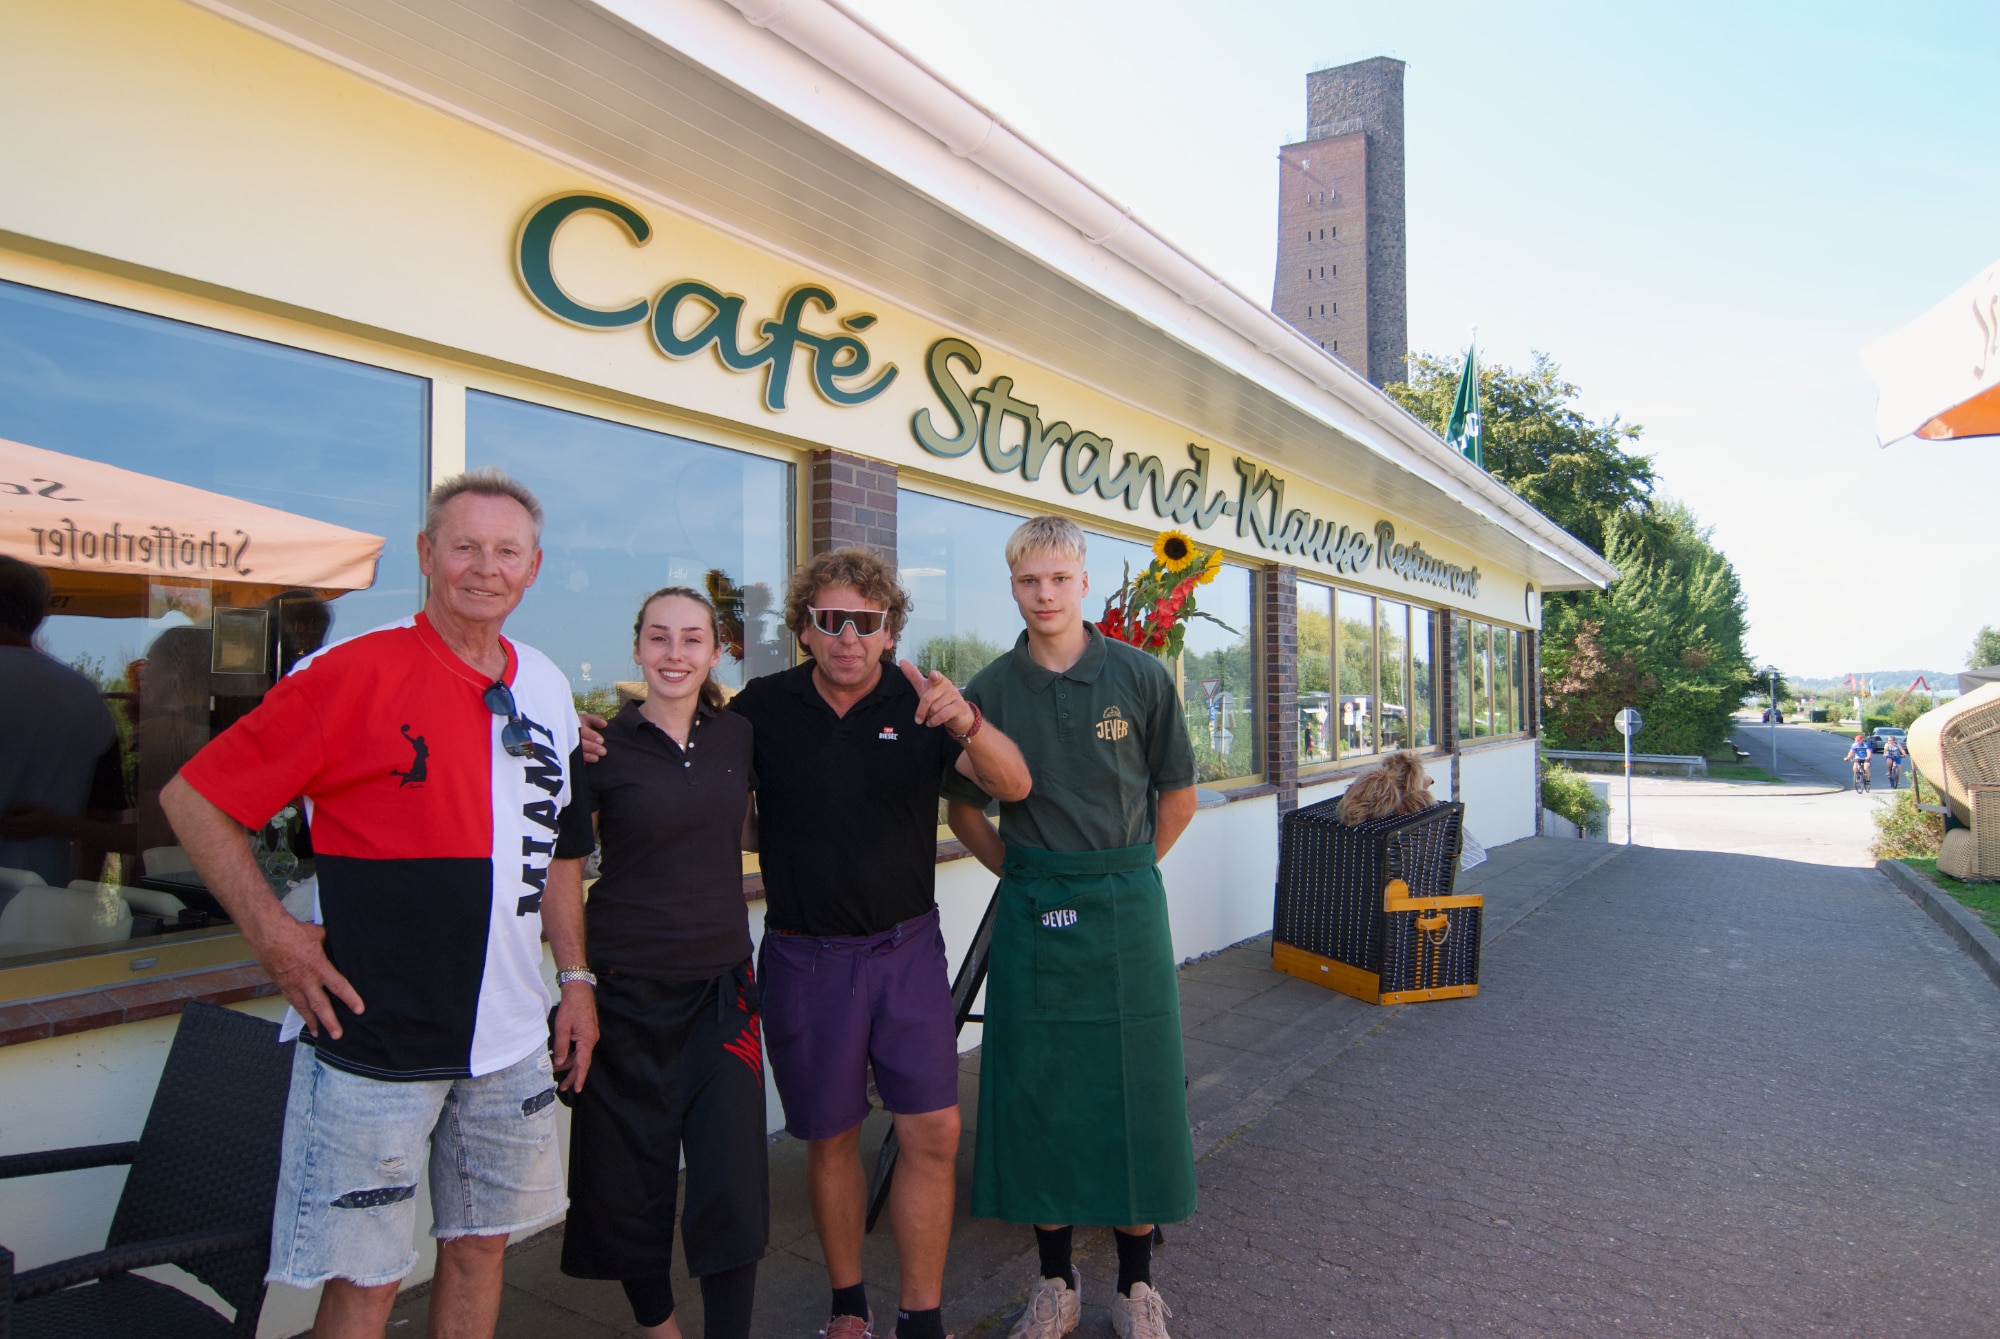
199, 1195
1369, 910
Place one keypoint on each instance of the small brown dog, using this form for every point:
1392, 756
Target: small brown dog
1399, 786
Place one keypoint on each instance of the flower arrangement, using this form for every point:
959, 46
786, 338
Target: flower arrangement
1152, 610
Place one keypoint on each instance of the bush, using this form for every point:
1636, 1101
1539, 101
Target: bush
1902, 829
1906, 714
1567, 794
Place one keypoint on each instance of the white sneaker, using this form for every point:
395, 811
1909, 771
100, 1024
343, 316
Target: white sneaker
1143, 1315
1054, 1307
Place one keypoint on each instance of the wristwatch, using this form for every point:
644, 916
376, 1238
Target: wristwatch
565, 975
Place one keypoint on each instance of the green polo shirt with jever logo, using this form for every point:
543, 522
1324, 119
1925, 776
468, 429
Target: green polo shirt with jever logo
1102, 738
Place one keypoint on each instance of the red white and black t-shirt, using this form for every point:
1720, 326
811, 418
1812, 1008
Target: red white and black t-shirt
431, 841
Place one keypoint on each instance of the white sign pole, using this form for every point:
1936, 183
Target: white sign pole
1628, 788
1628, 722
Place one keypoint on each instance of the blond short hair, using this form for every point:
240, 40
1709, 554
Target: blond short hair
488, 481
1046, 534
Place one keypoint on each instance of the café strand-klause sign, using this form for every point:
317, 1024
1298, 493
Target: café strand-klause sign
965, 420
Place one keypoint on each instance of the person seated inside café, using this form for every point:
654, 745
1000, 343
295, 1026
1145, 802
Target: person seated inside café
61, 777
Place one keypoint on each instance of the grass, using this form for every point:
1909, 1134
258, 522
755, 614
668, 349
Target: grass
1981, 899
1731, 771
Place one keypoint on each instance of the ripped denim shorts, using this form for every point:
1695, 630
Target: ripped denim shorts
347, 1190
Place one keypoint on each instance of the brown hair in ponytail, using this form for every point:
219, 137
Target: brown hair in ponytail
711, 691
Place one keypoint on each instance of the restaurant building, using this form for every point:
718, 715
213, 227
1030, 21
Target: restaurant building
726, 284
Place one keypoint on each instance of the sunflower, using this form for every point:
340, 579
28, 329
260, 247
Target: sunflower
1173, 550
1211, 567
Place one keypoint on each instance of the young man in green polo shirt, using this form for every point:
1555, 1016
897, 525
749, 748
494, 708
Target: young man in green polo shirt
1083, 1089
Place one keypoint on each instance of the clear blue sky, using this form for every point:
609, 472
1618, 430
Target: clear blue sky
1701, 211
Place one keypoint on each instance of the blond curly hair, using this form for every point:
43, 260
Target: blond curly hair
865, 571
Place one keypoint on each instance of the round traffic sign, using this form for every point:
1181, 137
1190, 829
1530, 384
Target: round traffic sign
1628, 722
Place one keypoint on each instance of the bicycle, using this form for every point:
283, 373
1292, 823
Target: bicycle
1864, 779
1894, 766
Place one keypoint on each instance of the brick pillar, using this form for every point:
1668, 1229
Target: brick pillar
853, 502
1280, 590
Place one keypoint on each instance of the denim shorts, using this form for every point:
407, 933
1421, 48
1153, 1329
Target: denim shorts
836, 1008
347, 1185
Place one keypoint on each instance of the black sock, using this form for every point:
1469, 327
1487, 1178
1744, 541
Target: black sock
1135, 1259
1053, 1243
725, 1302
652, 1299
851, 1301
920, 1324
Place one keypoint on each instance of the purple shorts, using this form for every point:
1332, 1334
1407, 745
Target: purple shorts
835, 1006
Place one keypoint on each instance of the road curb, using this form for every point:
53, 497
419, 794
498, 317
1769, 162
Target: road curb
1979, 943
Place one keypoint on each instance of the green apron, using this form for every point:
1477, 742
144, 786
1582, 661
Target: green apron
1082, 1084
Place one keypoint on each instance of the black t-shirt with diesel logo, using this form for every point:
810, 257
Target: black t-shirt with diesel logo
846, 805
668, 902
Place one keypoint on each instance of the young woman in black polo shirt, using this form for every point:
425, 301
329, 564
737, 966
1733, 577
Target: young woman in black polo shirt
679, 1059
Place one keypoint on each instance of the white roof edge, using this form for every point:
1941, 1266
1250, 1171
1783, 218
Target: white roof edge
849, 46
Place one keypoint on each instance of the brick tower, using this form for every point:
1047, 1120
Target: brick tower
1341, 256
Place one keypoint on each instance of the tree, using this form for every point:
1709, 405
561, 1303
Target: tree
1575, 472
1985, 649
1667, 637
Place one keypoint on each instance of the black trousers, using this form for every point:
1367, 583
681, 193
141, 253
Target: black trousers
677, 1064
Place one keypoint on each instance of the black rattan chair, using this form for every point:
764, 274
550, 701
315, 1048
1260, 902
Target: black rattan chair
199, 1195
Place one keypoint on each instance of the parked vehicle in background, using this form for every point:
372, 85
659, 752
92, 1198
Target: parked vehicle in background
1884, 733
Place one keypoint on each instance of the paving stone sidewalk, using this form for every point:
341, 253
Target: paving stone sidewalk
1698, 1094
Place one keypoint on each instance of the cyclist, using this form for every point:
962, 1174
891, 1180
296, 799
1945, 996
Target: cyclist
1893, 759
1859, 755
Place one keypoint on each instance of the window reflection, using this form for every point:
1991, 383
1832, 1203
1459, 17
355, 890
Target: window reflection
1316, 718
1482, 679
161, 432
1423, 693
1218, 689
1356, 709
630, 511
1392, 646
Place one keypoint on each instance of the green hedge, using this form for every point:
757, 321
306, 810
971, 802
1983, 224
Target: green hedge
1567, 794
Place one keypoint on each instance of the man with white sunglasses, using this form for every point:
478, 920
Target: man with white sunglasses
851, 749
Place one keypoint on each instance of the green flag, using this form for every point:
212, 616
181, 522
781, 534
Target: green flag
1465, 431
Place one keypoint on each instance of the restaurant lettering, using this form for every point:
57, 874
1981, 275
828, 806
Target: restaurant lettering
1410, 562
159, 546
692, 315
984, 419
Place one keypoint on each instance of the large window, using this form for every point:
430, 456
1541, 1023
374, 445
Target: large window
1219, 679
112, 403
1489, 676
630, 511
1315, 674
953, 561
1364, 675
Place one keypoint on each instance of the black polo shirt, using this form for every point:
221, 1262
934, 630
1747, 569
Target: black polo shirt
668, 902
846, 805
